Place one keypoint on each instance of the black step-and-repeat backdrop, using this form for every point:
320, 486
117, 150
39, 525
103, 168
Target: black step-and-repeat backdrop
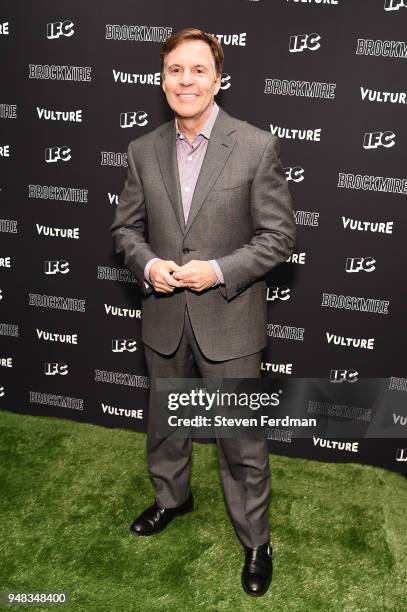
81, 79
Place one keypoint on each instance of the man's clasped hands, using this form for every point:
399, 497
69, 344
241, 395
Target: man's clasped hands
196, 275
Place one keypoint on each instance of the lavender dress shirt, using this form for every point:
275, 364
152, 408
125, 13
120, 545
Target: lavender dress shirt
189, 159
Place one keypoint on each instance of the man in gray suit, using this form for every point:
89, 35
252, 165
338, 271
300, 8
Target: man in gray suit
204, 214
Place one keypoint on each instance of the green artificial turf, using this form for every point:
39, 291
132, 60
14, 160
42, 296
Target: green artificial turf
69, 492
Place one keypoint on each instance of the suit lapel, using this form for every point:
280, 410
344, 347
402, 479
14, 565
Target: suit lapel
220, 146
167, 158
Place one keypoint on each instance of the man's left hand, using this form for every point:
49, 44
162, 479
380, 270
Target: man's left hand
197, 275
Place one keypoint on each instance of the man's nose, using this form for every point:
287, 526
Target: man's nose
186, 78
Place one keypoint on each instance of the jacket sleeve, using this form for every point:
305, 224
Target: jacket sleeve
274, 228
129, 225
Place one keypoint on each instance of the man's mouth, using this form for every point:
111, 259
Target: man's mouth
187, 96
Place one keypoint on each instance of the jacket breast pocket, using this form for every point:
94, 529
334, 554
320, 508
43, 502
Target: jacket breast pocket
230, 193
233, 201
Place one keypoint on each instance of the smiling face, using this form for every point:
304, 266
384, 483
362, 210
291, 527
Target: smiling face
190, 82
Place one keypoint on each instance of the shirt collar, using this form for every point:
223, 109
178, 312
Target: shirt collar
207, 128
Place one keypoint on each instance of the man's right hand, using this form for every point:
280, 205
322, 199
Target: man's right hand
161, 277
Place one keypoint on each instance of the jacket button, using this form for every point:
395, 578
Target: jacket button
185, 251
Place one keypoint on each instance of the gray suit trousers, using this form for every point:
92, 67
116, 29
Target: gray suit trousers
243, 463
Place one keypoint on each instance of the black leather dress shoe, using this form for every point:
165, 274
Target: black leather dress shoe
258, 570
154, 519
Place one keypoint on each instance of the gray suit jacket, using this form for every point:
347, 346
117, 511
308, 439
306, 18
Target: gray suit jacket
241, 215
